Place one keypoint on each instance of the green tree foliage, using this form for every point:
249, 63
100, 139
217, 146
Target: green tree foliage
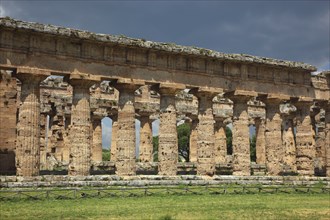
155, 141
105, 155
253, 148
229, 136
183, 131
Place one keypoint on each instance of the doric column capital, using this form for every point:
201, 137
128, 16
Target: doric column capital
205, 92
241, 96
127, 85
302, 102
272, 99
31, 75
168, 89
81, 80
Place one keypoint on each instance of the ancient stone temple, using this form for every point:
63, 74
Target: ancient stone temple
57, 84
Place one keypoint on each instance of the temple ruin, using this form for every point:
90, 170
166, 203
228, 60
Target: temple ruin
57, 84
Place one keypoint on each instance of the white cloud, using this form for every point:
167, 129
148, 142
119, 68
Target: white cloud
3, 12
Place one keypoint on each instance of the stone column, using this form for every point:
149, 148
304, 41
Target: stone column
168, 138
193, 140
305, 148
125, 159
273, 136
240, 131
80, 134
327, 142
114, 131
319, 130
289, 146
28, 126
66, 140
260, 141
43, 140
220, 141
205, 134
146, 147
97, 140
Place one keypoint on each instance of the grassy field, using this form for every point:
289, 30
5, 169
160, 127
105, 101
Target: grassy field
248, 206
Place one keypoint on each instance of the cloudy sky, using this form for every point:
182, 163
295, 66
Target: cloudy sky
292, 30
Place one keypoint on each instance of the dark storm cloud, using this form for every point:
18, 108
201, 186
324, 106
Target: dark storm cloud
293, 30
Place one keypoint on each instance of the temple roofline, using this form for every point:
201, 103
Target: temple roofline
7, 22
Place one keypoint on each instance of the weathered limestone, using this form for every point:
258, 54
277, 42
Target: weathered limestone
80, 133
96, 152
125, 158
273, 133
168, 140
146, 139
205, 133
305, 148
193, 140
220, 142
28, 130
62, 50
327, 143
241, 139
43, 141
114, 135
319, 130
260, 141
289, 146
8, 111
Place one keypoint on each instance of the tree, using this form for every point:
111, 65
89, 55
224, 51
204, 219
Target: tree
155, 144
253, 156
229, 136
106, 155
183, 131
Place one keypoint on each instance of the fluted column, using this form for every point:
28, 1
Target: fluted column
319, 132
168, 139
305, 145
205, 134
146, 139
126, 140
28, 128
220, 141
260, 141
80, 132
43, 140
289, 145
273, 136
241, 133
97, 140
114, 135
327, 138
193, 140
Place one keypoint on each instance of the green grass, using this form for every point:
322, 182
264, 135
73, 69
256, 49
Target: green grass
245, 206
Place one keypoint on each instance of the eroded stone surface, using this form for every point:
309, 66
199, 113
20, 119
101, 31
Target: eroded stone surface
205, 135
8, 109
220, 142
260, 141
80, 129
273, 137
96, 152
241, 140
305, 148
125, 155
168, 140
28, 130
146, 139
